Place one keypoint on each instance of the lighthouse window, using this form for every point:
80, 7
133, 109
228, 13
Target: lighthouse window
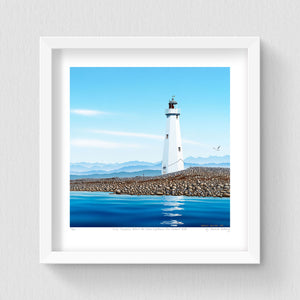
164, 167
167, 136
179, 149
176, 116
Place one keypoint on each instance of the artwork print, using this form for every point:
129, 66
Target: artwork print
149, 147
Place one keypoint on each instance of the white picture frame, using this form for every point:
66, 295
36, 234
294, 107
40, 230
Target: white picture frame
48, 253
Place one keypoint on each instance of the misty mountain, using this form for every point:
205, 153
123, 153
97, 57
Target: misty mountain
87, 166
208, 160
132, 168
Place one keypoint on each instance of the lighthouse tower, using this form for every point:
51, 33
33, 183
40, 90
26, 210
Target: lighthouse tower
172, 155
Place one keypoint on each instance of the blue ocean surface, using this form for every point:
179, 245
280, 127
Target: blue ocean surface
100, 209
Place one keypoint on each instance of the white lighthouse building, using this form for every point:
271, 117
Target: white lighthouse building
172, 155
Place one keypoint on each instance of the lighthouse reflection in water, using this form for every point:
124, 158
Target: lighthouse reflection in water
101, 209
172, 210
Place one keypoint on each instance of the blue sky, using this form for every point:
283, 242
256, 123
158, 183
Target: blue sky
117, 114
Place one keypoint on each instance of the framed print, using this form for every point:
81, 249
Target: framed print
149, 150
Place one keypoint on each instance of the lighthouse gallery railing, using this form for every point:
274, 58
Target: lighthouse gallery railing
172, 111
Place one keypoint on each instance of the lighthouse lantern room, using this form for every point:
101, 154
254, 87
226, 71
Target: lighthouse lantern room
172, 155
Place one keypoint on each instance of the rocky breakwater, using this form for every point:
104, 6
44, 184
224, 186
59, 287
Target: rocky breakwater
198, 181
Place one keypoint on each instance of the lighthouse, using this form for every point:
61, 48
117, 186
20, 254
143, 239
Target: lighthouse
172, 155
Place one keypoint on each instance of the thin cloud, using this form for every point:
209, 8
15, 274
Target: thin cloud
133, 134
144, 135
88, 112
194, 143
90, 143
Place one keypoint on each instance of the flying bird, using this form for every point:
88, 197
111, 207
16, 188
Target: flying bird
217, 148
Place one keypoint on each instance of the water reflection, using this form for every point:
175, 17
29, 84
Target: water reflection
173, 223
170, 206
171, 215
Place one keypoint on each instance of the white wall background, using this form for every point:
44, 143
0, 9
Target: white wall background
277, 22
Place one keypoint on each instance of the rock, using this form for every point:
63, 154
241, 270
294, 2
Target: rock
197, 181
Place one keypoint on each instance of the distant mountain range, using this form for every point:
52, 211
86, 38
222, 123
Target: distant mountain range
139, 168
208, 160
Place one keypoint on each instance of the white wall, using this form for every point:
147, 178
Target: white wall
21, 24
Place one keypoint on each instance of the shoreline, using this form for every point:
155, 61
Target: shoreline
142, 195
196, 181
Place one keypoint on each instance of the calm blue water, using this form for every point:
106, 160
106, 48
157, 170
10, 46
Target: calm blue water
99, 209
